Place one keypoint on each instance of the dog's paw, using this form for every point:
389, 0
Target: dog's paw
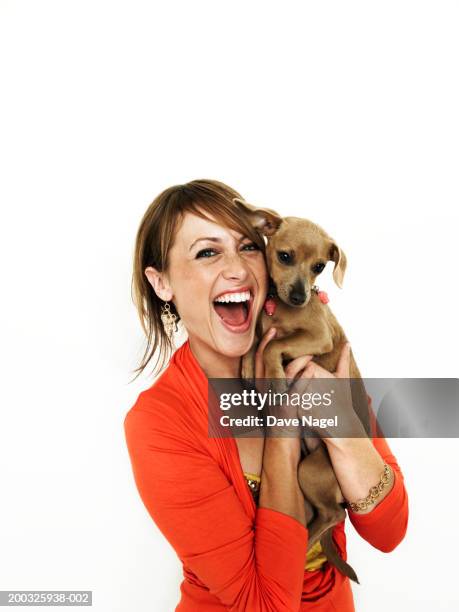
278, 385
247, 369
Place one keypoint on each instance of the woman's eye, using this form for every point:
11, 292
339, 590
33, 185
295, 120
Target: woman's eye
318, 267
251, 246
204, 253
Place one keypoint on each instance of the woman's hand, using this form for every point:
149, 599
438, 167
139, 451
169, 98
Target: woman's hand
313, 379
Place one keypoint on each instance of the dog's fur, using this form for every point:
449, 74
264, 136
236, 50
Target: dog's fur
306, 326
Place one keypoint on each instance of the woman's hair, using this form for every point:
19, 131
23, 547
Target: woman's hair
204, 198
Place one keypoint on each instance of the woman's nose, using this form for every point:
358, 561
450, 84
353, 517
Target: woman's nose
235, 268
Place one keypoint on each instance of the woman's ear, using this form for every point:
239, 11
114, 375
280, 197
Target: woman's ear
265, 220
338, 256
160, 284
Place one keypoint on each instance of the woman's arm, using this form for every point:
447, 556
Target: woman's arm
279, 478
358, 467
247, 566
385, 526
279, 488
358, 463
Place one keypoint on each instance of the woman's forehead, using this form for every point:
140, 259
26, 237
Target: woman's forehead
193, 226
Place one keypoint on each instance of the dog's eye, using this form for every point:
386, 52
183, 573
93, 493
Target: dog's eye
318, 267
284, 257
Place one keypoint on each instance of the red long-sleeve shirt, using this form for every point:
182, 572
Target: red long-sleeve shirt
235, 556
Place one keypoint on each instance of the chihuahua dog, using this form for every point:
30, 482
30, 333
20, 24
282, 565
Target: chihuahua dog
297, 251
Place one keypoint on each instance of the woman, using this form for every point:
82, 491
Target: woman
231, 507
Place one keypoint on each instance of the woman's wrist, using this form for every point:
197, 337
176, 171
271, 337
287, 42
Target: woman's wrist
358, 467
279, 478
375, 494
285, 452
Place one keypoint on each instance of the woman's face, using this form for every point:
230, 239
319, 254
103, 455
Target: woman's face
218, 280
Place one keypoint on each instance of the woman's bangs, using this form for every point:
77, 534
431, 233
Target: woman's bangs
228, 216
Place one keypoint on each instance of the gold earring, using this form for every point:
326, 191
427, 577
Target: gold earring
168, 319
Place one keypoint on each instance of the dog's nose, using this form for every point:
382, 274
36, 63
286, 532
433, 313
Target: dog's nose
297, 297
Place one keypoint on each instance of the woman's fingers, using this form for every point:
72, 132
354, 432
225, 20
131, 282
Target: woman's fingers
310, 370
314, 370
344, 362
259, 364
296, 365
302, 383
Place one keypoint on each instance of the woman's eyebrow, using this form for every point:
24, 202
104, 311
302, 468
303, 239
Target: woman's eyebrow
214, 239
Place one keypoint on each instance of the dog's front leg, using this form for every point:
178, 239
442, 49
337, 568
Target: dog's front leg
248, 360
305, 343
273, 356
248, 364
291, 347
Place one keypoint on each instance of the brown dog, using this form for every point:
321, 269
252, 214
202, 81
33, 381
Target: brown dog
297, 251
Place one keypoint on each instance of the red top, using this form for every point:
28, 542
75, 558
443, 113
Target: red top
235, 556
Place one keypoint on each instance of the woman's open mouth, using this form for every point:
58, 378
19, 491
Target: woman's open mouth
235, 309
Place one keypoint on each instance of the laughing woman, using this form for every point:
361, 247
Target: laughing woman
232, 508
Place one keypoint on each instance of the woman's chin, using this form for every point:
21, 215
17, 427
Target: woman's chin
234, 345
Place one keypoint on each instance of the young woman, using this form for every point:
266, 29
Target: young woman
231, 507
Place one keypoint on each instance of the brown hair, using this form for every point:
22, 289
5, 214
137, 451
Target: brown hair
205, 198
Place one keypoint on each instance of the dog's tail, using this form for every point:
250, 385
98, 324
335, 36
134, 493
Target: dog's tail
329, 548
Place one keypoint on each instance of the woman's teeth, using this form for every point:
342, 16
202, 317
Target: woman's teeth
233, 308
234, 297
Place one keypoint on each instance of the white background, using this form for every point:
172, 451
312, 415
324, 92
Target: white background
343, 112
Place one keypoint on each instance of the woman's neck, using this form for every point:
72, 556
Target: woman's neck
215, 365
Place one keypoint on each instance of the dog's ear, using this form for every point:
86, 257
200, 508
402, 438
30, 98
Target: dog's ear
265, 220
338, 256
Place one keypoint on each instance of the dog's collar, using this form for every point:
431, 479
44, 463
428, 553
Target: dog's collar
272, 289
322, 295
270, 304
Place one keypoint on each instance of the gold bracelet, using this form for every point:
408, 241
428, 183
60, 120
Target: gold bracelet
363, 504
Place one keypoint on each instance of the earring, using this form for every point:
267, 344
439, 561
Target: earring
168, 319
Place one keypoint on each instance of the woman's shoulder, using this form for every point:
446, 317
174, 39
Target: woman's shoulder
152, 419
163, 406
162, 396
166, 389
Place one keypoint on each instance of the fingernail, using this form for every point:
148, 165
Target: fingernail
272, 332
